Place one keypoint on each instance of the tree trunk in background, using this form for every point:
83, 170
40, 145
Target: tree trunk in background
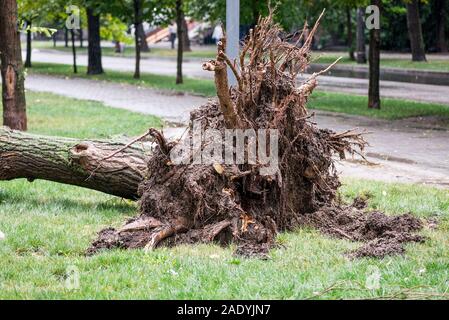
180, 30
13, 89
415, 31
81, 35
94, 65
29, 48
143, 41
440, 13
185, 38
350, 34
72, 161
374, 65
66, 37
361, 51
75, 67
137, 23
256, 12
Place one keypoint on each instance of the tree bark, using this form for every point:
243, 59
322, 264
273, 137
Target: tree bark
415, 31
72, 161
94, 65
13, 89
185, 36
374, 65
137, 23
361, 51
66, 37
81, 34
440, 12
350, 34
29, 48
143, 41
180, 31
75, 68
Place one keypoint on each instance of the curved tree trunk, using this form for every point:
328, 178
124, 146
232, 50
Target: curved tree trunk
72, 161
94, 65
415, 31
13, 89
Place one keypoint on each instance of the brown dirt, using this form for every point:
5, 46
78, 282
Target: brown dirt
198, 203
381, 235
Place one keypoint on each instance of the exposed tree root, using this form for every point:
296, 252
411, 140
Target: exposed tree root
226, 203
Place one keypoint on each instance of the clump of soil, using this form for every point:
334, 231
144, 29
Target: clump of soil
192, 203
381, 235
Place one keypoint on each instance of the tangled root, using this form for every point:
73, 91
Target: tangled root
225, 203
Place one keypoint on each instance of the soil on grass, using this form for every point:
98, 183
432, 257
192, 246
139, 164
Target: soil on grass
238, 203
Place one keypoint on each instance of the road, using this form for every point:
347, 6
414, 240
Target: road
400, 151
192, 68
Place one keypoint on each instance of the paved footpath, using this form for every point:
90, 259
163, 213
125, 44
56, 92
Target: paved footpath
402, 151
192, 68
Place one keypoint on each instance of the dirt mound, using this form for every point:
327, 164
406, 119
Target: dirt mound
190, 202
381, 234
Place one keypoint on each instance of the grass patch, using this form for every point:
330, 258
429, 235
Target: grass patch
56, 115
430, 65
208, 52
392, 109
194, 86
48, 226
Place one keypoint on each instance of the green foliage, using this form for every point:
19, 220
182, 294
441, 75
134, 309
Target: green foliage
114, 29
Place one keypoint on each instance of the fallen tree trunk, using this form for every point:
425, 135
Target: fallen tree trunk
73, 161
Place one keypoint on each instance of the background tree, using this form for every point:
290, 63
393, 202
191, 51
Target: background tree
441, 12
361, 50
13, 90
94, 54
180, 19
415, 31
374, 64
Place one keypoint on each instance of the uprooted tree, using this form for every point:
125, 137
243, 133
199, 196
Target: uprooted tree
188, 203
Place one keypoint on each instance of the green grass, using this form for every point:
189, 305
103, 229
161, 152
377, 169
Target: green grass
343, 103
203, 53
48, 226
391, 109
194, 86
56, 115
430, 65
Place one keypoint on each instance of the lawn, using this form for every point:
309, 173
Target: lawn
207, 52
335, 102
48, 226
430, 65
